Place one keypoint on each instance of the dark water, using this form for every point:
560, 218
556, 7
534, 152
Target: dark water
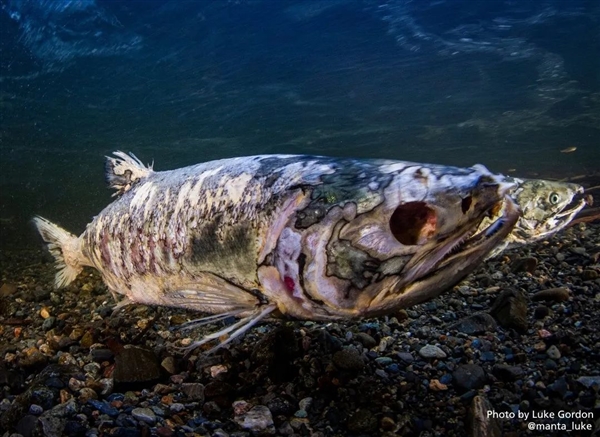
505, 83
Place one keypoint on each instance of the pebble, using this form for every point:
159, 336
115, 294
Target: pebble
559, 387
590, 381
505, 372
193, 390
475, 324
541, 312
559, 294
169, 365
257, 420
432, 351
348, 359
305, 403
436, 385
104, 407
365, 339
407, 357
144, 415
469, 377
526, 264
510, 310
383, 360
36, 410
553, 352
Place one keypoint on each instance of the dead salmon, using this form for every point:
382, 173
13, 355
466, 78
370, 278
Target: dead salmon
307, 237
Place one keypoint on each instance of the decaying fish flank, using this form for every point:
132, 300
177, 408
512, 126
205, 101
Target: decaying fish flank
308, 237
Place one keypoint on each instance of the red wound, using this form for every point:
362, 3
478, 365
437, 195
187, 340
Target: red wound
289, 283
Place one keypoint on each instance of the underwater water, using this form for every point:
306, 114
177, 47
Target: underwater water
511, 85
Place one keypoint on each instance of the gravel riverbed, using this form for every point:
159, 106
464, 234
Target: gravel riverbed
519, 337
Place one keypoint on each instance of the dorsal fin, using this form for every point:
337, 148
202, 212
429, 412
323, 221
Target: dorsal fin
124, 171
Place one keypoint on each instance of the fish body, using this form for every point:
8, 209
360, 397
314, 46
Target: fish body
547, 207
309, 237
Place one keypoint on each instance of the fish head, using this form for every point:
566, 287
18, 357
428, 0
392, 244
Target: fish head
400, 237
547, 207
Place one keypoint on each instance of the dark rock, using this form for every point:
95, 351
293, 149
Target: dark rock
41, 293
52, 425
348, 359
504, 372
560, 294
44, 397
49, 323
281, 406
527, 264
488, 356
101, 354
217, 388
469, 377
541, 312
126, 432
475, 324
193, 391
559, 387
362, 421
27, 425
479, 423
510, 310
589, 275
74, 428
407, 357
135, 365
365, 339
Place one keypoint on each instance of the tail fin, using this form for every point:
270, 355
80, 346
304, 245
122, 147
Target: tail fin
124, 171
65, 248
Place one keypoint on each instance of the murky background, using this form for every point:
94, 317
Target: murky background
509, 84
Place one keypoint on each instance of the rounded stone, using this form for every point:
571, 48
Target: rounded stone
144, 415
432, 351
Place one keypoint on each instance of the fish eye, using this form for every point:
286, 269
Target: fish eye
413, 223
554, 198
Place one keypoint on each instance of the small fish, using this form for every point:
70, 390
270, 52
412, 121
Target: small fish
569, 149
307, 237
544, 211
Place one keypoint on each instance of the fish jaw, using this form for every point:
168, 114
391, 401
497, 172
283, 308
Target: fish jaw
451, 269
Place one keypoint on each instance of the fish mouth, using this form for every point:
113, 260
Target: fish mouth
466, 242
434, 271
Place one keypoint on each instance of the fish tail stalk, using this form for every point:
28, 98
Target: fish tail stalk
66, 249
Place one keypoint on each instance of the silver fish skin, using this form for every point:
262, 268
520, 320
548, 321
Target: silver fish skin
547, 207
308, 237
